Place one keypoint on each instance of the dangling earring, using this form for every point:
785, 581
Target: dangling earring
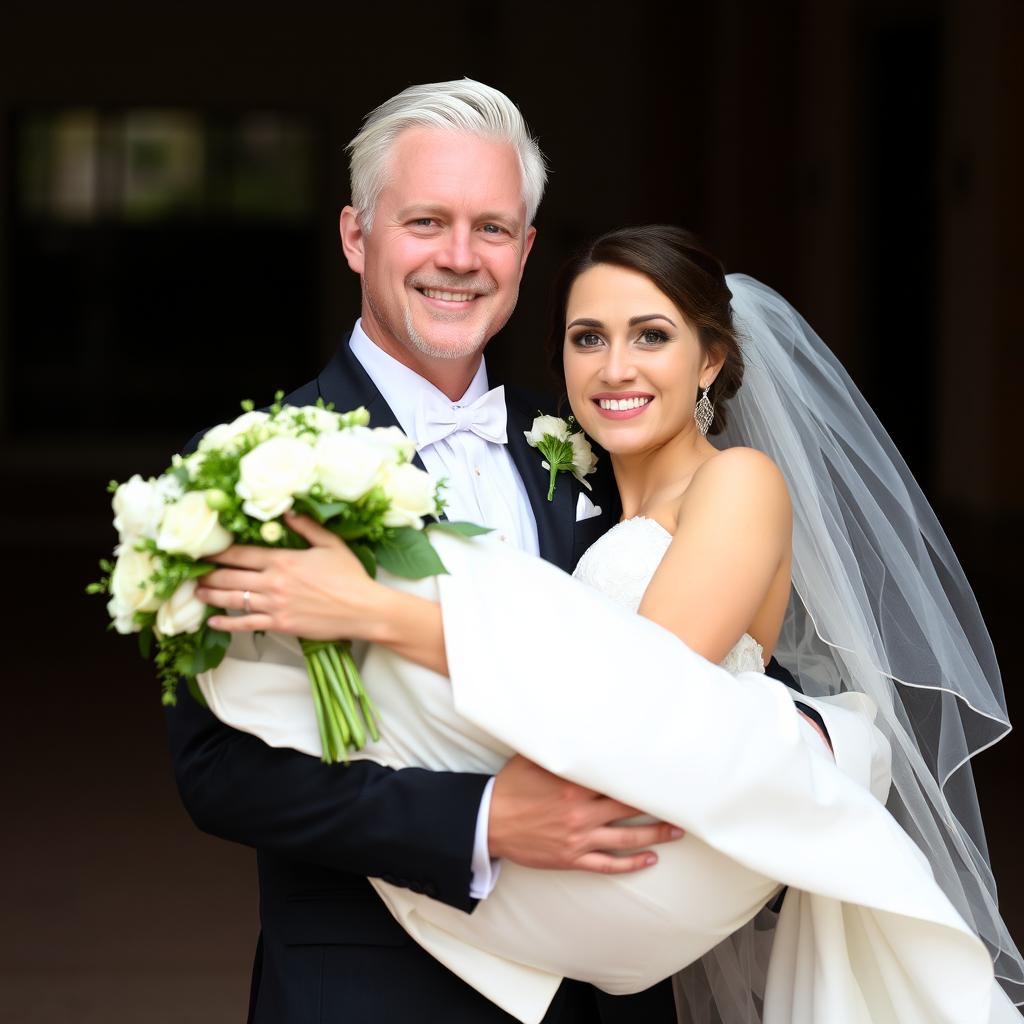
704, 413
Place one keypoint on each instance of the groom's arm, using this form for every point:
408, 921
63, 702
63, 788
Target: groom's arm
412, 827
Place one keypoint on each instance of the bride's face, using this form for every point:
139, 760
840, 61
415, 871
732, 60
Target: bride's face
632, 361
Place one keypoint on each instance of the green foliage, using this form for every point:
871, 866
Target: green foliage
459, 529
210, 647
407, 553
102, 585
320, 511
173, 659
366, 556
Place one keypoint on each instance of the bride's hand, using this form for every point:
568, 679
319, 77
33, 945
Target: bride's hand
319, 593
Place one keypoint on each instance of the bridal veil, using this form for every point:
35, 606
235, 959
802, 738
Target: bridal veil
880, 605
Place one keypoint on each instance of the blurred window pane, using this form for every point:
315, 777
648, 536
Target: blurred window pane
58, 165
163, 164
143, 166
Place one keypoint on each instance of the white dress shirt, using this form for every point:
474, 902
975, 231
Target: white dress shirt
483, 487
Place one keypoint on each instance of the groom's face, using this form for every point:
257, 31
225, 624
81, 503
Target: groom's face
442, 263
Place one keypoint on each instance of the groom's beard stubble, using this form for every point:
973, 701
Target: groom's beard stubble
466, 346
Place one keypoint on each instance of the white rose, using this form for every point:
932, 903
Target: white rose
138, 505
191, 528
182, 612
584, 461
350, 462
544, 425
131, 589
411, 492
396, 440
224, 435
272, 474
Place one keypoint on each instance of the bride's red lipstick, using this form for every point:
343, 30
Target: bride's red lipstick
621, 414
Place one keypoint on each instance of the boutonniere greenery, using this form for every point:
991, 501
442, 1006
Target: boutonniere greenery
565, 450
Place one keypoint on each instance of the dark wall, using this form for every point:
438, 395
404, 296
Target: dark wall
864, 158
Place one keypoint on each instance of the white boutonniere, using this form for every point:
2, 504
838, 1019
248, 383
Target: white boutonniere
564, 450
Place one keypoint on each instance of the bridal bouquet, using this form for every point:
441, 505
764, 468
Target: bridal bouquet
358, 482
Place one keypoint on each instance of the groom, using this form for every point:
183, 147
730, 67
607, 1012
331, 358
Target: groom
445, 184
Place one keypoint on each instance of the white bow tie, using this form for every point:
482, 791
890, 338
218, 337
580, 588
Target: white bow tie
486, 417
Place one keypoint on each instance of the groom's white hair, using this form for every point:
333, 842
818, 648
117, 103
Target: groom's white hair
461, 106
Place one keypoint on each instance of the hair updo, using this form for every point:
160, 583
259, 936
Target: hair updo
678, 265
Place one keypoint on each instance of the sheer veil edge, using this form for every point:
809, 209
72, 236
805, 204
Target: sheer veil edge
880, 606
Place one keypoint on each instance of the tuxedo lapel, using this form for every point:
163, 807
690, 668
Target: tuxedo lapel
554, 518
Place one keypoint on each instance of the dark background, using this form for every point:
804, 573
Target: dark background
170, 179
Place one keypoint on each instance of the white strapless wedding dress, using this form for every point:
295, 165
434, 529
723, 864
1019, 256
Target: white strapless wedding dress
570, 677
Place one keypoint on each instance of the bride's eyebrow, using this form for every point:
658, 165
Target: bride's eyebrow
634, 320
584, 321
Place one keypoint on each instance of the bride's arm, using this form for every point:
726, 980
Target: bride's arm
731, 544
322, 593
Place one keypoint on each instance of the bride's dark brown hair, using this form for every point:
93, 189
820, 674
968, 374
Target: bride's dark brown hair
677, 263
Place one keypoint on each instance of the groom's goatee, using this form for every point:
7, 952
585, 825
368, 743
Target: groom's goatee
465, 346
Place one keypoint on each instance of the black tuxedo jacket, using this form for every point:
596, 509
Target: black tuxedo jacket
329, 949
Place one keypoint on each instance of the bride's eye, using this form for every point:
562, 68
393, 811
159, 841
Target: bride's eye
652, 336
587, 340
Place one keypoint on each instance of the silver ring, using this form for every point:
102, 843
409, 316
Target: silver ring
246, 605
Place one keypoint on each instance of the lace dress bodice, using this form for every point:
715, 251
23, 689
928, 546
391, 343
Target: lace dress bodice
621, 563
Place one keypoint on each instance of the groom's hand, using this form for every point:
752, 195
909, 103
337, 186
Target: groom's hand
541, 821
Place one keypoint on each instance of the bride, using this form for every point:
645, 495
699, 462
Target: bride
800, 534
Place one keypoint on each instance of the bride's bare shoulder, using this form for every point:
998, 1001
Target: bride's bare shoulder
737, 476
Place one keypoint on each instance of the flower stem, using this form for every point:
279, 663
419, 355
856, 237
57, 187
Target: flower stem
340, 691
326, 749
341, 654
336, 726
554, 477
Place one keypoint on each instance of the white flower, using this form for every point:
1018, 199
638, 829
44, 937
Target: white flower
272, 474
547, 426
191, 528
182, 612
564, 450
584, 461
138, 506
411, 492
131, 590
350, 462
396, 440
224, 435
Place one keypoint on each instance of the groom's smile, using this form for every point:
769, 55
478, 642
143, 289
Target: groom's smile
452, 299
